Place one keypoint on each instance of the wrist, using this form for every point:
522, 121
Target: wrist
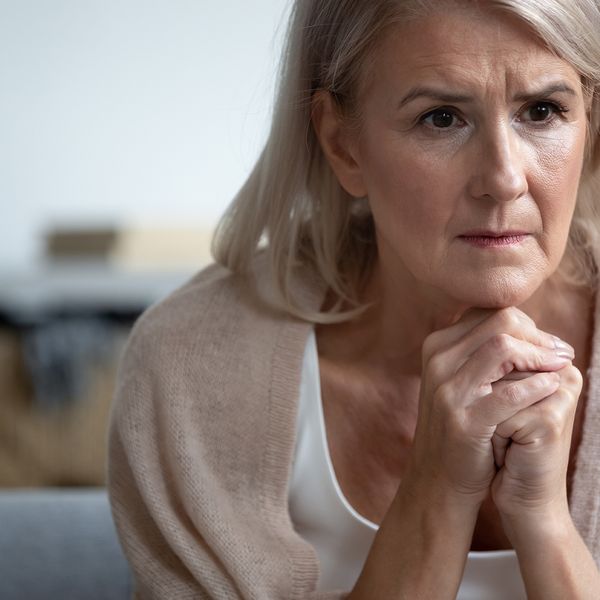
549, 524
432, 496
553, 559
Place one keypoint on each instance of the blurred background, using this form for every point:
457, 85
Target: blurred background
126, 127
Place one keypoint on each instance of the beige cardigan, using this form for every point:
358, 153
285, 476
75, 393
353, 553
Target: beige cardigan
201, 442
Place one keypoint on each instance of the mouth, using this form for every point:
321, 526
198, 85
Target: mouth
494, 239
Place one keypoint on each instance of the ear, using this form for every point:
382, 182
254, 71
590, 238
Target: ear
337, 144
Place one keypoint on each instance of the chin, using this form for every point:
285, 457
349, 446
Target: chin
494, 291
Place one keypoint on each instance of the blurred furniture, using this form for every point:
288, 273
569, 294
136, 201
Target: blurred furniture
59, 445
82, 287
60, 544
63, 326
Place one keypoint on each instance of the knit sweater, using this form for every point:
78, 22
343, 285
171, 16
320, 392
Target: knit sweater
201, 441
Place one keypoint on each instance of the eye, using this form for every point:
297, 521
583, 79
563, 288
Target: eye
541, 112
441, 118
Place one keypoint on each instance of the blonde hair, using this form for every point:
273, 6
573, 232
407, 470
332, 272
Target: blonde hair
292, 206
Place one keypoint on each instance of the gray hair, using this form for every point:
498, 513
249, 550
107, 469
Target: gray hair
292, 206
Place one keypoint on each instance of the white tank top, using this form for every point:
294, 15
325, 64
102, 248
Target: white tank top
341, 536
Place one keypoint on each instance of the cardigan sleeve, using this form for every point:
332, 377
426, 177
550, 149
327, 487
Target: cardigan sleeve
184, 474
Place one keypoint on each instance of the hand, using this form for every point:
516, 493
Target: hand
461, 404
532, 453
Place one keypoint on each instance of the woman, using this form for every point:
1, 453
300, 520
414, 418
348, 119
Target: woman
414, 255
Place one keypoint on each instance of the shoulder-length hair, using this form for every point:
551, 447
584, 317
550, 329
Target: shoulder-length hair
292, 206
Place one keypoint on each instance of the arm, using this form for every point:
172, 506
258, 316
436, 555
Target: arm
421, 548
419, 533
195, 517
554, 561
531, 494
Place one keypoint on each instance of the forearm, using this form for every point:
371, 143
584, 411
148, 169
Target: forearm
419, 551
554, 561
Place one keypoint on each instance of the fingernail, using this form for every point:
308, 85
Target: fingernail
563, 349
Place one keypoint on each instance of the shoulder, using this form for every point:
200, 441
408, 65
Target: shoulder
209, 293
218, 302
214, 307
191, 358
217, 322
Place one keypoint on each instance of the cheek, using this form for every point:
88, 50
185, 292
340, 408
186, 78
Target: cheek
555, 180
406, 184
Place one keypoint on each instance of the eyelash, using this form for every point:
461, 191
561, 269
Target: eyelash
557, 108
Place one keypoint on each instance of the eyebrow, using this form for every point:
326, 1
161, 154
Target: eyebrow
443, 96
547, 91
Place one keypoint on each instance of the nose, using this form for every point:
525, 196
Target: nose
499, 170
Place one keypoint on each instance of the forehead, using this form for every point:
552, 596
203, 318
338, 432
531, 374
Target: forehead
467, 48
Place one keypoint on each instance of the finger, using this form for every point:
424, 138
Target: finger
516, 323
518, 375
448, 358
472, 318
550, 418
509, 398
499, 356
443, 338
499, 446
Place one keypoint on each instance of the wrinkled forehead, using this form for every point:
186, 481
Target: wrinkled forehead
471, 50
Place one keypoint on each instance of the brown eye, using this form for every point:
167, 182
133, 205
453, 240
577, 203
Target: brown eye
544, 112
441, 118
540, 111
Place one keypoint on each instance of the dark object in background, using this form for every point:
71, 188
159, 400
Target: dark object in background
48, 440
60, 354
63, 325
80, 243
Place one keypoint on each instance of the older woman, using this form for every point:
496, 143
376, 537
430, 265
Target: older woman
379, 392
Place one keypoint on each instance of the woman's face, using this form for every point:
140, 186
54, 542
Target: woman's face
470, 153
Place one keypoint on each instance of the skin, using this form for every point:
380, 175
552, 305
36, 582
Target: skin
472, 371
494, 169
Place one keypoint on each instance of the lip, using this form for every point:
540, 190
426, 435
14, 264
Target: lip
494, 239
494, 234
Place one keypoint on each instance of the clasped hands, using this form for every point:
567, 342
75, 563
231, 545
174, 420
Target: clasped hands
497, 407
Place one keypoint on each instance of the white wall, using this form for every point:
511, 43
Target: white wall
129, 111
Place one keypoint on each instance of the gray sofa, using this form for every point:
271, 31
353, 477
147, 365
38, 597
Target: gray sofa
60, 544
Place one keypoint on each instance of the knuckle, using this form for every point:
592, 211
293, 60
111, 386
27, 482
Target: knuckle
568, 400
447, 407
433, 342
511, 317
572, 377
444, 395
511, 395
554, 422
430, 345
436, 367
506, 366
501, 344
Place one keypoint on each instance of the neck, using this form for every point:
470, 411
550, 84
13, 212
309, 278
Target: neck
407, 311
